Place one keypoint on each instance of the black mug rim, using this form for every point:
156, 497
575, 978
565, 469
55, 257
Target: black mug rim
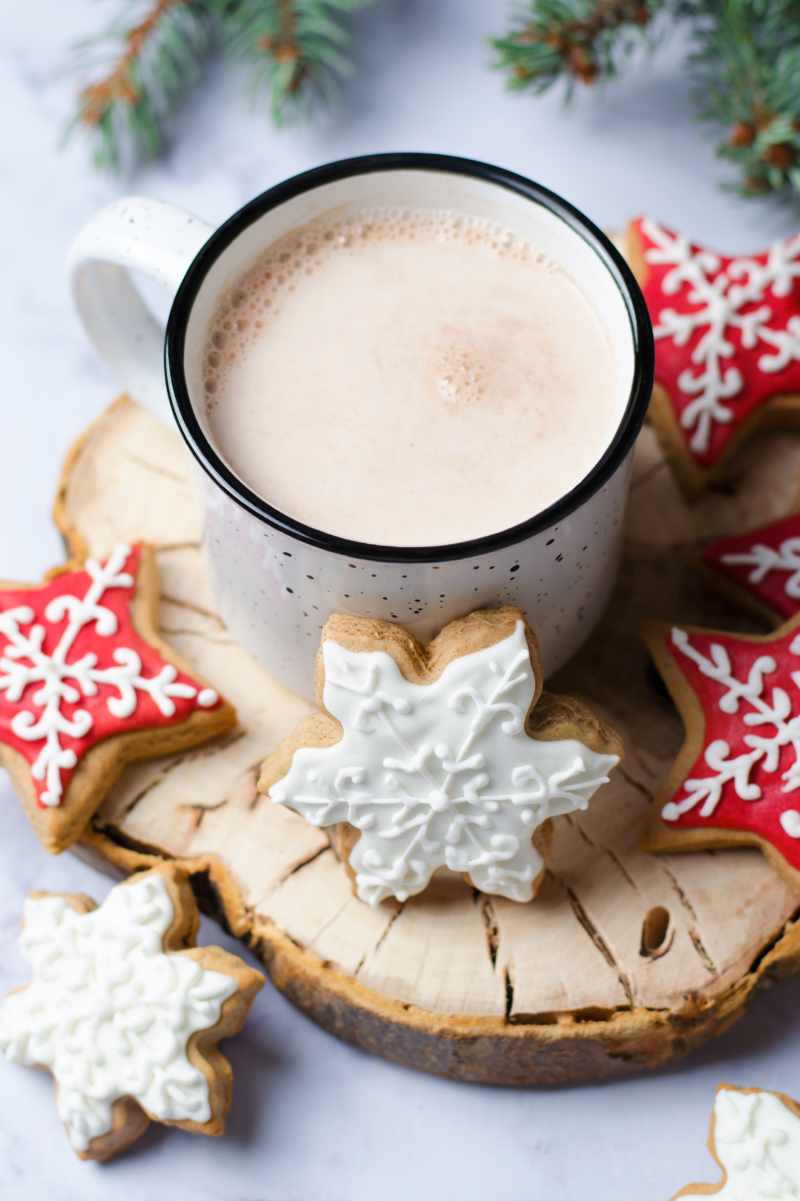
215, 467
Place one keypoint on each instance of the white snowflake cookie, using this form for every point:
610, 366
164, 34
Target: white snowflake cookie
755, 1138
87, 684
125, 1012
438, 757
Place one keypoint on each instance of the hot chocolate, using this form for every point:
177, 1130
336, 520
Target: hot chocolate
409, 377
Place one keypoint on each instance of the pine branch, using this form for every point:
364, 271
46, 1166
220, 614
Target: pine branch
746, 72
581, 40
294, 45
153, 64
745, 67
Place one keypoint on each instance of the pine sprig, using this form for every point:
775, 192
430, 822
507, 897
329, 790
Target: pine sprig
293, 45
571, 40
744, 63
153, 63
745, 66
746, 70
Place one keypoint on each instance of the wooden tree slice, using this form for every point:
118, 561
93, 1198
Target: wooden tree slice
625, 960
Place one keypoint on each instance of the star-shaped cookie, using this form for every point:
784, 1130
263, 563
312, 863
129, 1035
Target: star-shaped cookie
126, 1012
736, 780
439, 757
727, 340
754, 1136
761, 567
87, 685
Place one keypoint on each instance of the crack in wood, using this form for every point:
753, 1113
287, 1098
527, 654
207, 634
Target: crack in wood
647, 474
508, 981
604, 850
287, 875
171, 765
252, 773
588, 925
183, 632
303, 864
180, 603
326, 926
490, 926
614, 857
694, 933
166, 473
641, 788
767, 949
127, 842
280, 880
730, 487
148, 788
684, 899
579, 830
209, 749
199, 812
381, 937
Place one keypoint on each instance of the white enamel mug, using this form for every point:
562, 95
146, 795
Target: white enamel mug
277, 580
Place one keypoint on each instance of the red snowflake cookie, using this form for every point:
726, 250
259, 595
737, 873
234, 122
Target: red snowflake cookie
86, 685
736, 780
761, 566
727, 339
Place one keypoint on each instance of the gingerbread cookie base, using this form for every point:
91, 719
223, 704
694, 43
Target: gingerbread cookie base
624, 961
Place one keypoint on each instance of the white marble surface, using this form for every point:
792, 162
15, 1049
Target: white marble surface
312, 1119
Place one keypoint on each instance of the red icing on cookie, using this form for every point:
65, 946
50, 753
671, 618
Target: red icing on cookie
727, 332
765, 562
747, 775
74, 671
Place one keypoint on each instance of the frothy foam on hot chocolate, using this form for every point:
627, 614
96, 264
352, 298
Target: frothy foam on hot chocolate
408, 377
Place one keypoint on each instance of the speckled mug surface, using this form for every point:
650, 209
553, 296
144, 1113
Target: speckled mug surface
276, 580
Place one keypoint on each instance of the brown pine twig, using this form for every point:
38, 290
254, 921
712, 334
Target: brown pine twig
574, 40
283, 46
119, 85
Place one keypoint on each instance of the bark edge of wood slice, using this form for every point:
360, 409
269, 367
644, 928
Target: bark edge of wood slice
625, 961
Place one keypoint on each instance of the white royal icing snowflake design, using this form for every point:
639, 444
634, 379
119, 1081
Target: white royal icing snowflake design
108, 1012
765, 707
439, 774
757, 1139
718, 300
62, 679
765, 559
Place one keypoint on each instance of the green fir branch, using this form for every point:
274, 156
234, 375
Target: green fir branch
152, 65
294, 46
571, 40
746, 73
744, 67
744, 64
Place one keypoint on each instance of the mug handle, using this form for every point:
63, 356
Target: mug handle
140, 235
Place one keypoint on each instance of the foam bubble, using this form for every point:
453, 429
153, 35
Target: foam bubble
246, 310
